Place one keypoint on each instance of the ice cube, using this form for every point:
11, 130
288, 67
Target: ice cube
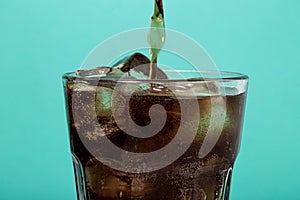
130, 62
102, 72
202, 86
103, 101
135, 66
98, 71
138, 66
83, 103
103, 182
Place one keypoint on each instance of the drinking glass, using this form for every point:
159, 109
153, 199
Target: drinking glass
169, 139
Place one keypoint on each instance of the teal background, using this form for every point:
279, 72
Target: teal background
40, 40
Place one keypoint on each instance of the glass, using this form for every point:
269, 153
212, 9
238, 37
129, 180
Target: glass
155, 139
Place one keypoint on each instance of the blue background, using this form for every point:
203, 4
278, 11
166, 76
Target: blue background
40, 40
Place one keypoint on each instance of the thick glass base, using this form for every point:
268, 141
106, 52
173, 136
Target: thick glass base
188, 181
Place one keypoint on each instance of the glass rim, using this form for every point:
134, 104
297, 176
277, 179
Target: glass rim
220, 76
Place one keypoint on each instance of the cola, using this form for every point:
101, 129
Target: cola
106, 116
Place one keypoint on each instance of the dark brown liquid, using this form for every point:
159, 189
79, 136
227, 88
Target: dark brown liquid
189, 177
